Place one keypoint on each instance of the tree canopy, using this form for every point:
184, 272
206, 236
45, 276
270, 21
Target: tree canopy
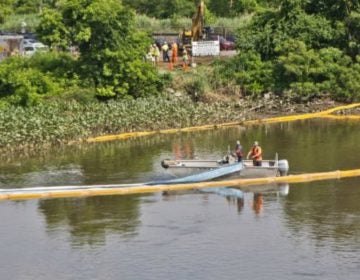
111, 50
109, 61
308, 48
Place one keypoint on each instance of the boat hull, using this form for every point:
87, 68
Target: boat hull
182, 168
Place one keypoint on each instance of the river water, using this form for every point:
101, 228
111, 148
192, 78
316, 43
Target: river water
305, 231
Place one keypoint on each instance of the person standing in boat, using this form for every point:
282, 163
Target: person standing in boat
239, 151
256, 154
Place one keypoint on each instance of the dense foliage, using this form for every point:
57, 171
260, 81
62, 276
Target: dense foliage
160, 9
61, 121
25, 81
110, 60
300, 48
111, 50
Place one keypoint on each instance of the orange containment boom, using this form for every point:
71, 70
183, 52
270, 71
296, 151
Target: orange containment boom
86, 191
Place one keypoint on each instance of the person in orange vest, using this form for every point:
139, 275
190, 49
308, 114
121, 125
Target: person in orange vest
174, 52
256, 154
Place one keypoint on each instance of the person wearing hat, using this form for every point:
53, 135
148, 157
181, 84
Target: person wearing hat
239, 151
256, 154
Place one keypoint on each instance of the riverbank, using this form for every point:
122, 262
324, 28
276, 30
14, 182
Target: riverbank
47, 125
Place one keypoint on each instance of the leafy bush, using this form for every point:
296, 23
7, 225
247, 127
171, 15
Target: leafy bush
248, 70
25, 81
309, 73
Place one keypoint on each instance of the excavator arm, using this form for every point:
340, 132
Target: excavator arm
198, 22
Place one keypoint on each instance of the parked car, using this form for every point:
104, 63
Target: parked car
35, 47
231, 38
226, 45
29, 42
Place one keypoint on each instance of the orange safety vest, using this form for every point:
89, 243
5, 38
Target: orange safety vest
256, 152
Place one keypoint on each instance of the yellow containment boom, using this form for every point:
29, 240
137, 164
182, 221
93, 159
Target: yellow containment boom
19, 194
322, 114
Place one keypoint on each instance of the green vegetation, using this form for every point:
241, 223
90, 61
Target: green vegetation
60, 122
293, 48
27, 81
302, 48
106, 65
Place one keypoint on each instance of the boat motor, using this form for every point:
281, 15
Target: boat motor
283, 165
165, 163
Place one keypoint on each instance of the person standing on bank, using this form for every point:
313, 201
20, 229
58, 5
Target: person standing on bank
165, 51
256, 154
239, 151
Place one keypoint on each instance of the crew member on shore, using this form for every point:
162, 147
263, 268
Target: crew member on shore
174, 52
185, 58
256, 154
165, 51
239, 151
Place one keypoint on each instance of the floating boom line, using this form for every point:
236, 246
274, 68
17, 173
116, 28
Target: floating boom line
105, 190
322, 114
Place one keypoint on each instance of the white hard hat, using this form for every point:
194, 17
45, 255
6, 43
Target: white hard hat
237, 142
256, 143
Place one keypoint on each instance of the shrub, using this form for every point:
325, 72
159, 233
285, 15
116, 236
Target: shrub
25, 81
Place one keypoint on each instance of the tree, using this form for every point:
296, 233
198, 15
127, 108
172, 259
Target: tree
5, 9
271, 27
111, 50
163, 8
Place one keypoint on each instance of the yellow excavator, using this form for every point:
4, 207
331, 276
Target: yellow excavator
198, 22
197, 29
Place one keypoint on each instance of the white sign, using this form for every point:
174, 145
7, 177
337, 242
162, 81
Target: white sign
205, 48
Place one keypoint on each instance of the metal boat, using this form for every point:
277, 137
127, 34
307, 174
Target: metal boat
269, 168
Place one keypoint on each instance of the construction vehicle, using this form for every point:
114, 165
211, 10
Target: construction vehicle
197, 29
198, 22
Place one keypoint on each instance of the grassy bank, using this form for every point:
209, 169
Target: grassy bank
62, 122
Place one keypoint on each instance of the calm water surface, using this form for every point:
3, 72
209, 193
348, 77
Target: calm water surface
310, 232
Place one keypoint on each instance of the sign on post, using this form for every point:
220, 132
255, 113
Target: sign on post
205, 48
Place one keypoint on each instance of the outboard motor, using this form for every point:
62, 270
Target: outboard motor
165, 163
283, 167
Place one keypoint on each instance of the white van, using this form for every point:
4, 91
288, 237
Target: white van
35, 47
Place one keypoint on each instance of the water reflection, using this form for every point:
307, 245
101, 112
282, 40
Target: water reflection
238, 202
309, 208
90, 220
258, 203
325, 210
235, 196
